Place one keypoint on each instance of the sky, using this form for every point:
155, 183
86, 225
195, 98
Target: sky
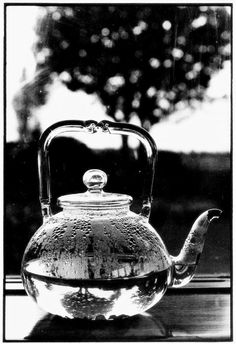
20, 21
205, 128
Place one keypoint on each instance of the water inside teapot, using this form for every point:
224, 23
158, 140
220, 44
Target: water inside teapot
94, 299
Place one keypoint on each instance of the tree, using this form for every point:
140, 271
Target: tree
142, 60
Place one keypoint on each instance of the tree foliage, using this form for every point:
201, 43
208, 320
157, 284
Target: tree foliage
142, 60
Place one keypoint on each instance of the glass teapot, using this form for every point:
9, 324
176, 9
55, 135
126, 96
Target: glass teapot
96, 258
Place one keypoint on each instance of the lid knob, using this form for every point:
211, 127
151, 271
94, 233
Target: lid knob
95, 180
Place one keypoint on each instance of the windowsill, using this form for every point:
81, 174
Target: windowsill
14, 283
199, 311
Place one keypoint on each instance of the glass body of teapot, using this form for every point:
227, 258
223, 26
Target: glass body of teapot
97, 259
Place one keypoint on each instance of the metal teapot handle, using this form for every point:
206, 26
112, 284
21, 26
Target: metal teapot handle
92, 127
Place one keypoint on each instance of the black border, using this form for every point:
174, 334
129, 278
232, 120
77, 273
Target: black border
4, 135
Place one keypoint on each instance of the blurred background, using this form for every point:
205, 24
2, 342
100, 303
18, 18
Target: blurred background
166, 68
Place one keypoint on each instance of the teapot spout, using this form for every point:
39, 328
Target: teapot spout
184, 265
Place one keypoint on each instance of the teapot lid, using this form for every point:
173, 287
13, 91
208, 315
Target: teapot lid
94, 197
